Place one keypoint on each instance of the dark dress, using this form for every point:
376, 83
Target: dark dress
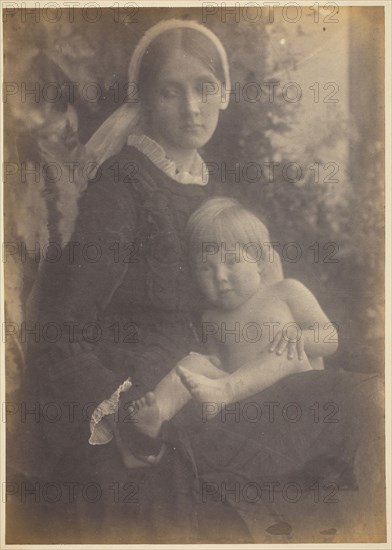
125, 282
140, 304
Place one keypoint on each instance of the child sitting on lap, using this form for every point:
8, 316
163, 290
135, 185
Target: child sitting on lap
253, 310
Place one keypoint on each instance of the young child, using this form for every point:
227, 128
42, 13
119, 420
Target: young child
253, 310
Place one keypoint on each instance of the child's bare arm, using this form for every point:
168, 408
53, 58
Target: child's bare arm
315, 333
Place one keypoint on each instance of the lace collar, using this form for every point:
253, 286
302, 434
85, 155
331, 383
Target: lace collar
198, 174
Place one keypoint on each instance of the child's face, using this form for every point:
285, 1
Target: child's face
228, 280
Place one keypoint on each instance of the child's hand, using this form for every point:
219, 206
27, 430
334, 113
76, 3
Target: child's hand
291, 341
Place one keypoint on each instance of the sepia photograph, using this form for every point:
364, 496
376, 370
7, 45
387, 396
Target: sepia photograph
194, 271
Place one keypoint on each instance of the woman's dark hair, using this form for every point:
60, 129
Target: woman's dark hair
190, 41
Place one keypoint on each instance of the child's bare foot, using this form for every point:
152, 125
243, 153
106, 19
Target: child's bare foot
205, 390
147, 416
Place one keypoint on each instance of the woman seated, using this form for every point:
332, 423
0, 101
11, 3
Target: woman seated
129, 315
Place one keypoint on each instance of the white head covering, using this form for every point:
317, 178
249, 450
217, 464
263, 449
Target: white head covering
112, 135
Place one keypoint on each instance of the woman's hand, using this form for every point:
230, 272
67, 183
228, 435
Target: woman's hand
290, 341
131, 461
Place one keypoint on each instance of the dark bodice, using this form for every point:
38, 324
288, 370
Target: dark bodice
122, 295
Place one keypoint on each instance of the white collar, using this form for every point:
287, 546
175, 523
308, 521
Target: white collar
198, 174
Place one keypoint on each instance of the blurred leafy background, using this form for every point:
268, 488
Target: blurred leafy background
349, 133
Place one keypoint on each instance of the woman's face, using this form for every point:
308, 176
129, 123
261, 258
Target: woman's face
184, 104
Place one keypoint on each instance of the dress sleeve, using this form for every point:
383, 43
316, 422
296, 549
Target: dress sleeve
63, 362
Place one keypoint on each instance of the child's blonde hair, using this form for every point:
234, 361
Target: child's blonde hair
225, 222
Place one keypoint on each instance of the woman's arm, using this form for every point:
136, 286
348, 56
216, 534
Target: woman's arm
72, 295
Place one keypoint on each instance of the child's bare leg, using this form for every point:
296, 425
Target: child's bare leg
248, 380
170, 395
205, 389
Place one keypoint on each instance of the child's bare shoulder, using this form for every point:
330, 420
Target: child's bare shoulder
290, 289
